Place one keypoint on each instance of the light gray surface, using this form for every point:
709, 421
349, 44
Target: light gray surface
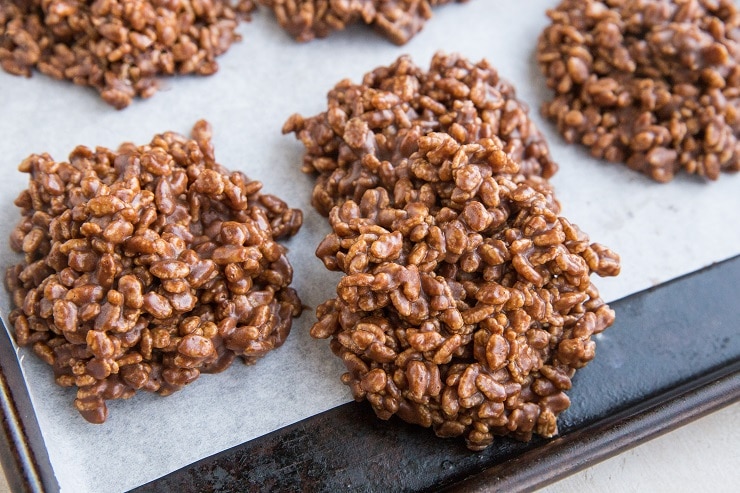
661, 231
701, 456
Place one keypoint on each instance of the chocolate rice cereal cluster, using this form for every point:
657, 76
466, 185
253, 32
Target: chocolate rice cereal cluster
117, 47
397, 20
654, 84
466, 304
369, 127
147, 266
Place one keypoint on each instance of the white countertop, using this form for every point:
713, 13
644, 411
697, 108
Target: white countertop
703, 455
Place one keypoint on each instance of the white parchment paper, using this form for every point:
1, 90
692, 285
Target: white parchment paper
661, 231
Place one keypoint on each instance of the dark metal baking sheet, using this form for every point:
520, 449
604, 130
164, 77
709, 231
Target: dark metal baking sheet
672, 356
22, 451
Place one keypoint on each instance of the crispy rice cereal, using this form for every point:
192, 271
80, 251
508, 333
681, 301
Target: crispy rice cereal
466, 304
653, 84
147, 266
